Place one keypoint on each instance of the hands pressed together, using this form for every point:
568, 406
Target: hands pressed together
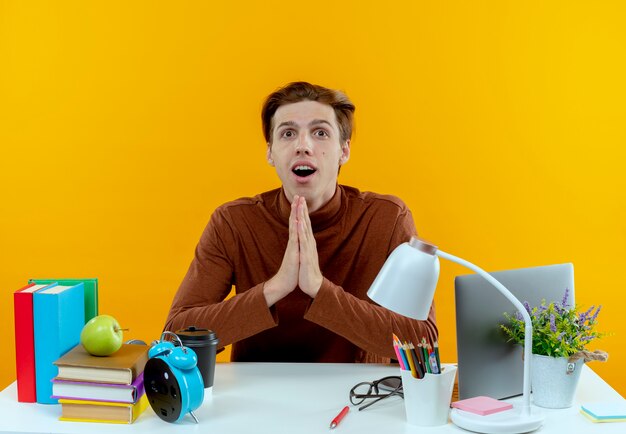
300, 266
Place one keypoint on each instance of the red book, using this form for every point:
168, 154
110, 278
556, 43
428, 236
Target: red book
24, 342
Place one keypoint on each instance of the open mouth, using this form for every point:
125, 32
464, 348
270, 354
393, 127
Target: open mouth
303, 171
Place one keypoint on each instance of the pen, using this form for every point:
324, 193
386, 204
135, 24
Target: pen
436, 345
340, 416
433, 363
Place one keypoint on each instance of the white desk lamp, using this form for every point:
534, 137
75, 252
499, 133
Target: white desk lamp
406, 285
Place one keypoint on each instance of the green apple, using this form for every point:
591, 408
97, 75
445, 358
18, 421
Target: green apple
102, 335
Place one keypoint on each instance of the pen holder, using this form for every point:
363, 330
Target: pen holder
427, 400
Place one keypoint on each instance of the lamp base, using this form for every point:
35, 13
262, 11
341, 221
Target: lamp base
512, 421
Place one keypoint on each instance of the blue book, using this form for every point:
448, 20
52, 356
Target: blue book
91, 292
58, 319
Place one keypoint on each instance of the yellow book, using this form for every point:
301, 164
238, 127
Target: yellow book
97, 411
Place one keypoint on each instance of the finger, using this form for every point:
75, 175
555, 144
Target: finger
309, 275
308, 227
293, 220
303, 235
304, 216
306, 240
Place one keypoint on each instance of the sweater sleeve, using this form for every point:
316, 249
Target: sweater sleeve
363, 322
201, 298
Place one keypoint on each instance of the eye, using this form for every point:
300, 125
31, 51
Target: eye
288, 134
320, 133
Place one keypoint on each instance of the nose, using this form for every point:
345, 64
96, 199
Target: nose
304, 145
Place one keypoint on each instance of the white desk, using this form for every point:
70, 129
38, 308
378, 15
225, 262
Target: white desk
291, 398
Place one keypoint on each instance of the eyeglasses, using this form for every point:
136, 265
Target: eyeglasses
379, 389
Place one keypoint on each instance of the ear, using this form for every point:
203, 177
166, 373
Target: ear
268, 155
345, 153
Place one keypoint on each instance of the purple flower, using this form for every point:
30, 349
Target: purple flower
518, 316
527, 306
552, 324
595, 315
583, 316
564, 301
560, 336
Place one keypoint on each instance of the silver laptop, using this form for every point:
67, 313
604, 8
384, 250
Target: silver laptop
488, 365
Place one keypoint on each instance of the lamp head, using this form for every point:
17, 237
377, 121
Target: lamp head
406, 283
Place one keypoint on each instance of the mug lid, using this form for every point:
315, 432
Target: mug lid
193, 333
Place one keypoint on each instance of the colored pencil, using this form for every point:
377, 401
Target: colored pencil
407, 351
400, 361
418, 364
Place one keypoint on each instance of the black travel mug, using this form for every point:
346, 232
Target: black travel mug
204, 343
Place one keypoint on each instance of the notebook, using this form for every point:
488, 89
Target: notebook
488, 365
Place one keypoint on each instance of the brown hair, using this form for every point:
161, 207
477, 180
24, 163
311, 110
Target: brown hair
303, 91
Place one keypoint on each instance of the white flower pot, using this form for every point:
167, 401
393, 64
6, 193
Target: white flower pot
554, 381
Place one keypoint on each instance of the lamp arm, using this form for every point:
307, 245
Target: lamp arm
528, 328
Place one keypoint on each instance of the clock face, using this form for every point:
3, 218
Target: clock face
162, 390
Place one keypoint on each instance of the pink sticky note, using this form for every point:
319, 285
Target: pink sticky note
482, 405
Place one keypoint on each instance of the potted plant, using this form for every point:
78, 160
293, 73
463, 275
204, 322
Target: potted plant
561, 335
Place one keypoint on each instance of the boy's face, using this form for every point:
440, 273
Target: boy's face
306, 151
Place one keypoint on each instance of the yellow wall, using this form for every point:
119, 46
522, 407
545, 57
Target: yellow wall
124, 124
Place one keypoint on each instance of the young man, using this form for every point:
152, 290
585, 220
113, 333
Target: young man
303, 256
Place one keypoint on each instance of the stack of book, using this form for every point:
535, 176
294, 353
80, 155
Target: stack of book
49, 316
101, 389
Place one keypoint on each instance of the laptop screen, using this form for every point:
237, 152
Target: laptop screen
488, 365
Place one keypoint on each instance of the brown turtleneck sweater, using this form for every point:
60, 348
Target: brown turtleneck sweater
243, 245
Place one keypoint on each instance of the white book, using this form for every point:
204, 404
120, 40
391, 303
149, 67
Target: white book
82, 390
